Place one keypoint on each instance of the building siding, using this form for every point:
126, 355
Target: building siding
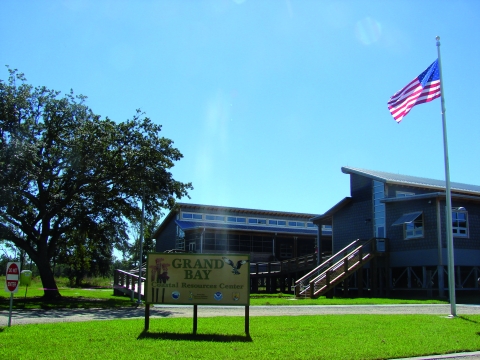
351, 223
166, 239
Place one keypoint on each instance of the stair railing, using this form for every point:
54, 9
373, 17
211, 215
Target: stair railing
301, 285
341, 268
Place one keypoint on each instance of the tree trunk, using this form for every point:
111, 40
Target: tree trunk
50, 289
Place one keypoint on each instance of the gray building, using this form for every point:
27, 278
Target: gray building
410, 213
265, 235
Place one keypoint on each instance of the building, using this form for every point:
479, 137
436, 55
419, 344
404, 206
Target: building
265, 235
409, 212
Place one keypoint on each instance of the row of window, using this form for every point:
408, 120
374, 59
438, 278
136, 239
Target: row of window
252, 221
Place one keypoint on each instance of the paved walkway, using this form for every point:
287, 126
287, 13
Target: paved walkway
20, 317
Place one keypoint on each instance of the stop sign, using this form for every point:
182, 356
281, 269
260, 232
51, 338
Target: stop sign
12, 277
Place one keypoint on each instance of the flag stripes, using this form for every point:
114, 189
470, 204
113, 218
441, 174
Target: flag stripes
422, 89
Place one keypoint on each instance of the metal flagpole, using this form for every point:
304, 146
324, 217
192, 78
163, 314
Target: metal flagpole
139, 301
451, 266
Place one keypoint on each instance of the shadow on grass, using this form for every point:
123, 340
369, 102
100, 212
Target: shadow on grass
65, 302
469, 320
194, 337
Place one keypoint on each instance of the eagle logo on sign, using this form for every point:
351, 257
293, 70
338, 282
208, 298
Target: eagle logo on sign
234, 266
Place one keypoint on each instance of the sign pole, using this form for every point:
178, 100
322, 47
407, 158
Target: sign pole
247, 320
195, 314
10, 312
147, 317
12, 280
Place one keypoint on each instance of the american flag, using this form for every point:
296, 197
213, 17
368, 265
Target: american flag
422, 89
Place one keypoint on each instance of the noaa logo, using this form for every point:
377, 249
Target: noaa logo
175, 295
218, 296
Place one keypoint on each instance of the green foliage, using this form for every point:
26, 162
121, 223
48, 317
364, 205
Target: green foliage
70, 182
133, 250
292, 337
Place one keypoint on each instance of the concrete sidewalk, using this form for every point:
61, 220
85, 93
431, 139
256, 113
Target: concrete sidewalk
20, 317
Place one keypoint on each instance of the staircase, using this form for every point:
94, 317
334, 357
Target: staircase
339, 267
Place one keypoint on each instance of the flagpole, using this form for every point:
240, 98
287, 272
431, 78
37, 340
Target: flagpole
449, 232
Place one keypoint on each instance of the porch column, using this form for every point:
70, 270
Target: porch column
441, 281
319, 245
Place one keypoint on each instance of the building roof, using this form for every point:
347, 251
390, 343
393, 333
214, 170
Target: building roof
227, 209
416, 181
214, 209
191, 225
326, 218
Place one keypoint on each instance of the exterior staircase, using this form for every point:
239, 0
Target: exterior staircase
339, 267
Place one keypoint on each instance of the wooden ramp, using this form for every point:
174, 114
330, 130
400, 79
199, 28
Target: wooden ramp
126, 283
339, 267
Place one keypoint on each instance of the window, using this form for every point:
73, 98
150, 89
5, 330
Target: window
277, 222
403, 194
327, 229
192, 216
311, 225
215, 217
257, 221
412, 225
296, 223
236, 219
414, 229
460, 223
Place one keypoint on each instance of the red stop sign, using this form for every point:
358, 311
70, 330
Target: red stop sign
12, 278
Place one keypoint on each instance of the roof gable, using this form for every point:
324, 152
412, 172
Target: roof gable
398, 179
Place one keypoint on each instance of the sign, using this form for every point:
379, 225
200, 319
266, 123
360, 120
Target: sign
12, 278
198, 279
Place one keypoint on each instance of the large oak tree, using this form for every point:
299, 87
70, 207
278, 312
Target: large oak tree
68, 176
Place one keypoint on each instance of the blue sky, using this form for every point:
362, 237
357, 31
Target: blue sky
267, 100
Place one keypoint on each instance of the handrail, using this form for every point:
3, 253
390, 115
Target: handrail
284, 265
342, 260
326, 262
336, 269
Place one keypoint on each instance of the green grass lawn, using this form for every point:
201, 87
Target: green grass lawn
297, 337
98, 293
293, 337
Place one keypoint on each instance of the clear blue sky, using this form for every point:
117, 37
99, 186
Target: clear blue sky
266, 100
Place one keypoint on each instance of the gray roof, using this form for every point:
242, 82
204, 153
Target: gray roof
416, 181
228, 209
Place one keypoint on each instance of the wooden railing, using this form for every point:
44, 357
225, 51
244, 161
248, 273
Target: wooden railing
336, 269
284, 266
126, 283
303, 282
